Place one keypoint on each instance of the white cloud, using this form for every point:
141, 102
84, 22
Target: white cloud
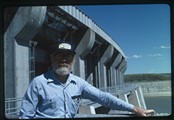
164, 47
155, 55
137, 56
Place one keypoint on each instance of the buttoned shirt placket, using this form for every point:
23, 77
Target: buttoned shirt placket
65, 99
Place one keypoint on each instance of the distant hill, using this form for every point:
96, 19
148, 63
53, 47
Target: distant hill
146, 77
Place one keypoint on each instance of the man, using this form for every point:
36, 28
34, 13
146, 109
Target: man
57, 93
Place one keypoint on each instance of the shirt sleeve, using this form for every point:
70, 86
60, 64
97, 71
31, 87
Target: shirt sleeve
105, 99
30, 101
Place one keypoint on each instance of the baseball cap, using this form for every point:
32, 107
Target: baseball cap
62, 47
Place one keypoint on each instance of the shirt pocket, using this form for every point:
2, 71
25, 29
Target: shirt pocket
76, 99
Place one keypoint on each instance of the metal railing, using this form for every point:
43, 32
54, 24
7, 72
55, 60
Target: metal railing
12, 106
121, 89
114, 90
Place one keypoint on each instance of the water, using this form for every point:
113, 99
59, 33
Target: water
161, 104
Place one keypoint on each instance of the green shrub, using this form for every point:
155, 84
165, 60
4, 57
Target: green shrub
146, 77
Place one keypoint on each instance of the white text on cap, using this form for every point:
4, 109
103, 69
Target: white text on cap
65, 46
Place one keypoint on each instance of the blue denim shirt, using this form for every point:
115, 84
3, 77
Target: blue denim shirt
47, 97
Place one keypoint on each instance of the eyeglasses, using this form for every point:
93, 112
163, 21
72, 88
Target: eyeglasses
63, 57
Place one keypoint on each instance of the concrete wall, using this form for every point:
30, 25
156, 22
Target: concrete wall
16, 59
156, 88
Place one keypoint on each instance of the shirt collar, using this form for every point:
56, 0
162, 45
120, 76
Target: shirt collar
53, 78
70, 79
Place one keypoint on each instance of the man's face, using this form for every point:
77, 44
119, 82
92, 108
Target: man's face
62, 62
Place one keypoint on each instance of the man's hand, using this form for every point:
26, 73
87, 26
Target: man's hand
143, 112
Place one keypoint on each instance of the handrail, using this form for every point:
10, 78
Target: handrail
121, 89
12, 106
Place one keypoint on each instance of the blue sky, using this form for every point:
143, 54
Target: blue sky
142, 32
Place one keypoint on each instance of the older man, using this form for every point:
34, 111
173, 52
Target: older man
57, 93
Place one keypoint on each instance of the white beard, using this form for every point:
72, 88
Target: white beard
62, 71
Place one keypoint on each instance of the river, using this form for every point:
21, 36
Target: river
161, 104
157, 95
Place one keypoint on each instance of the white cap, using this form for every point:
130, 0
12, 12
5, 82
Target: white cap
64, 46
